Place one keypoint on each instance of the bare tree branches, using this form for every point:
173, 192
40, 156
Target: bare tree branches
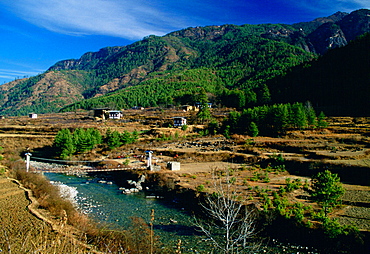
233, 225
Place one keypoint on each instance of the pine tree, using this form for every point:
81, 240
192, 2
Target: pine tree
311, 114
253, 129
129, 138
251, 97
113, 139
265, 95
299, 118
280, 118
68, 149
204, 113
64, 143
213, 127
321, 123
96, 137
83, 140
327, 189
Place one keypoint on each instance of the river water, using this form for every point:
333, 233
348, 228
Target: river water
106, 204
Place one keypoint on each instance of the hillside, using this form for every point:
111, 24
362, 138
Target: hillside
227, 61
338, 82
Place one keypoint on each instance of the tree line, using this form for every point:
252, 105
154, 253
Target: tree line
83, 140
273, 119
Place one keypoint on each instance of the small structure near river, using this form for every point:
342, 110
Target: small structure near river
173, 165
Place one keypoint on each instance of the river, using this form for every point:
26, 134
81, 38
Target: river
105, 203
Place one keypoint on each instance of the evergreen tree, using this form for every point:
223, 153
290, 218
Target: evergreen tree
265, 96
250, 97
95, 136
64, 143
299, 119
327, 190
253, 129
280, 117
234, 99
113, 139
321, 123
275, 119
83, 140
129, 138
61, 137
311, 115
68, 149
213, 127
204, 113
227, 132
233, 121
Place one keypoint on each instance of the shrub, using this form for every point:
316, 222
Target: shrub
200, 188
327, 189
232, 180
46, 194
292, 185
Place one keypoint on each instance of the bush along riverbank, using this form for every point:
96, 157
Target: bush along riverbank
277, 217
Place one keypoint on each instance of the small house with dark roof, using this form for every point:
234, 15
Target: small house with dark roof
32, 115
179, 121
100, 112
114, 114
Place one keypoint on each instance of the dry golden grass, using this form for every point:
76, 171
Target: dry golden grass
21, 232
50, 231
345, 142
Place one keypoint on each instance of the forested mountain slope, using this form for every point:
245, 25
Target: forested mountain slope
338, 82
232, 64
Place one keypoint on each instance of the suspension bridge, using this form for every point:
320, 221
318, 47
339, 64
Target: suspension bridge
45, 165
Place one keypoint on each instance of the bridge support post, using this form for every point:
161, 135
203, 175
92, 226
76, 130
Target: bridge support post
28, 156
149, 163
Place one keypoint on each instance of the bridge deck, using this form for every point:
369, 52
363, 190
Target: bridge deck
42, 167
64, 171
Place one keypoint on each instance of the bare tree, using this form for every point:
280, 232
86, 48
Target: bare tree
231, 226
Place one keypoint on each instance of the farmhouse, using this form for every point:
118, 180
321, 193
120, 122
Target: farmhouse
114, 114
32, 115
198, 105
189, 108
100, 112
179, 121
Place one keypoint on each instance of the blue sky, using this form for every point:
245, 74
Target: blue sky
35, 34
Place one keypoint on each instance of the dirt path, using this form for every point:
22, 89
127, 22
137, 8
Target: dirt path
16, 222
25, 230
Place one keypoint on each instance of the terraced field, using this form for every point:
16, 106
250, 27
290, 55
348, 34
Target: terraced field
21, 231
343, 147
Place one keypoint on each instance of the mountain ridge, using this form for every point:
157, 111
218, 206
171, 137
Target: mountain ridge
243, 57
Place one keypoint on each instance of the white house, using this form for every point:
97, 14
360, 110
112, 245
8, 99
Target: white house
179, 121
115, 114
33, 115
